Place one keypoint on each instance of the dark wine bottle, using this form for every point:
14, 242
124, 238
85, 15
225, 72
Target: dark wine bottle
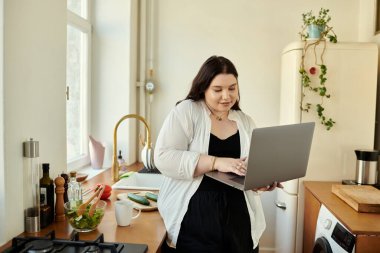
47, 189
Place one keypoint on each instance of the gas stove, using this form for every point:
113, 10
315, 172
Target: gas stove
50, 244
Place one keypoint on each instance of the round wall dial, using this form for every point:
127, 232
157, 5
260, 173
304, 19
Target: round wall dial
149, 86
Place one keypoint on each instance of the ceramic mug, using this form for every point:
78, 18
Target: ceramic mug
123, 212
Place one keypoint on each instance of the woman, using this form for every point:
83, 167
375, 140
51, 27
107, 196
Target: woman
207, 131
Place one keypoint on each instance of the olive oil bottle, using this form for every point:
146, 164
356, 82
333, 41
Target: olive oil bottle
44, 213
47, 189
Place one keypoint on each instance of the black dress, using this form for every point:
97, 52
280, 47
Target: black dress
217, 219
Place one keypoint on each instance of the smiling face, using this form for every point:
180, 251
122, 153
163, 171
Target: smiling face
222, 93
216, 84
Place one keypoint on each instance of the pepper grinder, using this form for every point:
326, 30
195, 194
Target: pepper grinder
59, 191
31, 186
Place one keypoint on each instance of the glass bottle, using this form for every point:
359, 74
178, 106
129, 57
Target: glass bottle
45, 212
121, 162
47, 189
74, 191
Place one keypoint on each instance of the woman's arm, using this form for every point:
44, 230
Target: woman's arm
171, 155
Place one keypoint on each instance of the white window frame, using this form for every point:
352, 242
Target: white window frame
3, 208
83, 25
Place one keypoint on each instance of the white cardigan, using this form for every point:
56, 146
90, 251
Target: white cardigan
185, 135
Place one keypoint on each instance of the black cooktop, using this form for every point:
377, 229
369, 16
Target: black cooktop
50, 244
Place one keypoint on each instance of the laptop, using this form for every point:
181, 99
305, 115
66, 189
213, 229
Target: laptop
278, 153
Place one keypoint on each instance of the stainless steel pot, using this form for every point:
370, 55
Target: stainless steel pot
366, 166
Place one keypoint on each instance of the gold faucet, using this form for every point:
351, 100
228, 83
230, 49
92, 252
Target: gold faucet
147, 152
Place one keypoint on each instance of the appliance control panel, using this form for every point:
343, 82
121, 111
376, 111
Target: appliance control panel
343, 237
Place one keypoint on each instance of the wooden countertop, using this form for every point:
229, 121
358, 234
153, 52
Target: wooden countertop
357, 223
147, 229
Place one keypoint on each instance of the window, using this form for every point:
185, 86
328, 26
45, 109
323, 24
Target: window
79, 7
78, 80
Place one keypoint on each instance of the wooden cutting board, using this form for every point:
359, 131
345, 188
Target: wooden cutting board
152, 204
362, 198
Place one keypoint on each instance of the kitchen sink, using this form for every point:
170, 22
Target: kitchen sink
140, 181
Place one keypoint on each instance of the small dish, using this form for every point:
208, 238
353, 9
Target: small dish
81, 177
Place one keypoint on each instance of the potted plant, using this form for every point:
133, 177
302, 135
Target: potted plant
316, 27
315, 30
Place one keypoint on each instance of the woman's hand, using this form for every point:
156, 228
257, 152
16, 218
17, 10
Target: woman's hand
237, 166
269, 188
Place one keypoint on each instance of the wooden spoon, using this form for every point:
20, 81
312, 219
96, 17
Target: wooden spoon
93, 206
82, 208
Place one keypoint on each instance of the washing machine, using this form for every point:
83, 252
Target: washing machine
331, 236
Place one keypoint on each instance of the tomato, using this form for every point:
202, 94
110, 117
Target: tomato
107, 191
105, 195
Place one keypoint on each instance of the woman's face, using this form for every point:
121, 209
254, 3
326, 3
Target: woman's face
222, 93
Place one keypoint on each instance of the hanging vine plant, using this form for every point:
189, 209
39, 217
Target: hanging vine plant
315, 30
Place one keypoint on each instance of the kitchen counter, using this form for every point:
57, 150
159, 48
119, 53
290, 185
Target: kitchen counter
357, 223
147, 229
366, 226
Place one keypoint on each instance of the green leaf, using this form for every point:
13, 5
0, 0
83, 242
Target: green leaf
332, 38
322, 91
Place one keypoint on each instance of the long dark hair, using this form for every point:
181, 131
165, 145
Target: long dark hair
212, 67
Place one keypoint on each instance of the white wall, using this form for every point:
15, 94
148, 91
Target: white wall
250, 33
113, 75
34, 95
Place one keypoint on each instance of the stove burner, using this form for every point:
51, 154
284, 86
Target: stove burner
39, 246
48, 243
92, 248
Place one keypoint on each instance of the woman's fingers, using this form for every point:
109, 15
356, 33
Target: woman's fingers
265, 188
238, 167
269, 187
272, 187
241, 166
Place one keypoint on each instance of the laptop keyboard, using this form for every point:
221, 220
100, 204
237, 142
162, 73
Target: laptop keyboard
238, 179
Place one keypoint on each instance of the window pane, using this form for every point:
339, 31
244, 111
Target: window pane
79, 7
75, 78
